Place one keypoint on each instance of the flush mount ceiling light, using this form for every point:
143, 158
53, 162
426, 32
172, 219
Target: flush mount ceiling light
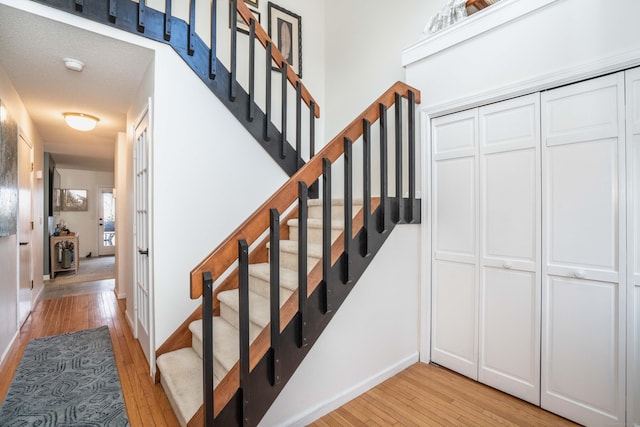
81, 121
73, 64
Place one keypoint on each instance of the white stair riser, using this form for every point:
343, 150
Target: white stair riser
262, 288
290, 260
314, 235
337, 212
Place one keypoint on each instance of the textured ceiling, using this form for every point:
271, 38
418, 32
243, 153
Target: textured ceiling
32, 49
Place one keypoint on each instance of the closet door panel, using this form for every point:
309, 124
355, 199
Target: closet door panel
454, 317
632, 82
510, 212
455, 242
584, 294
583, 347
582, 195
509, 306
509, 336
455, 209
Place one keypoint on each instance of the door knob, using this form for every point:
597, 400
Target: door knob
507, 265
579, 274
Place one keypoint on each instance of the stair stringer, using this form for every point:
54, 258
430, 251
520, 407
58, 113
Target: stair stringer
262, 391
198, 61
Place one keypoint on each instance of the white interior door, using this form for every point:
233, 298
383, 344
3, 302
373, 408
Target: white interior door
143, 304
25, 227
632, 81
584, 305
509, 306
106, 221
455, 242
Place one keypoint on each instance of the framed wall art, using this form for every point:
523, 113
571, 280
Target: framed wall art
75, 200
242, 26
253, 3
8, 173
285, 29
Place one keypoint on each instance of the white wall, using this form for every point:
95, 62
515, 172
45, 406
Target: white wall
209, 175
365, 39
372, 336
8, 245
124, 216
84, 222
554, 44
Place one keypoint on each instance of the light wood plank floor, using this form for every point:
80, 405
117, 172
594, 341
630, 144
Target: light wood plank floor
146, 402
427, 395
422, 395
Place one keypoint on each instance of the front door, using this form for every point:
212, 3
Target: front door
106, 221
144, 286
25, 227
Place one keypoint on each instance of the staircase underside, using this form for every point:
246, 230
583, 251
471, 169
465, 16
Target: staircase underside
199, 61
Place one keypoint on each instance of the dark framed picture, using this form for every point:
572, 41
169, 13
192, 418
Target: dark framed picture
253, 3
241, 25
285, 29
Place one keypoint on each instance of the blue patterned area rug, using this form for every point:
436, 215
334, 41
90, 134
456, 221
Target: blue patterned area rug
66, 380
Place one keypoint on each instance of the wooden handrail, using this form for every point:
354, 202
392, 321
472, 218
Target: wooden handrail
221, 258
479, 4
276, 55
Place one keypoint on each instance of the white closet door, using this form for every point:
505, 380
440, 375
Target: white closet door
633, 245
509, 316
584, 305
455, 242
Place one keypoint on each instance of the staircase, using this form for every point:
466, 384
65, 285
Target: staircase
269, 128
269, 290
182, 369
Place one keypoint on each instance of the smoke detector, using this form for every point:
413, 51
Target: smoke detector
73, 64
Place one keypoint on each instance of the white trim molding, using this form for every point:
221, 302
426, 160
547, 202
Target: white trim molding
496, 15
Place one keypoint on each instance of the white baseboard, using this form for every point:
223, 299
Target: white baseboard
120, 295
324, 408
130, 322
46, 277
6, 350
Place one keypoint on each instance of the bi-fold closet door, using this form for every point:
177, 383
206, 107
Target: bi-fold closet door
584, 251
633, 245
486, 245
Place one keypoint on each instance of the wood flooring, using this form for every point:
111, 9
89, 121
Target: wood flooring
422, 395
146, 403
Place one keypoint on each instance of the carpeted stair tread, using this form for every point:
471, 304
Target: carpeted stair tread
182, 381
288, 278
334, 202
259, 307
225, 343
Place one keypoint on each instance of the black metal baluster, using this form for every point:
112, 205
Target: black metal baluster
384, 172
79, 4
283, 131
191, 42
412, 157
252, 69
274, 293
314, 188
348, 209
303, 213
397, 216
299, 123
234, 50
213, 52
142, 10
207, 347
326, 233
243, 298
366, 182
167, 20
267, 112
113, 10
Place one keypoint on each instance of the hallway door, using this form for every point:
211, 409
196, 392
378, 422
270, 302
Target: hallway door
25, 228
143, 304
106, 221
